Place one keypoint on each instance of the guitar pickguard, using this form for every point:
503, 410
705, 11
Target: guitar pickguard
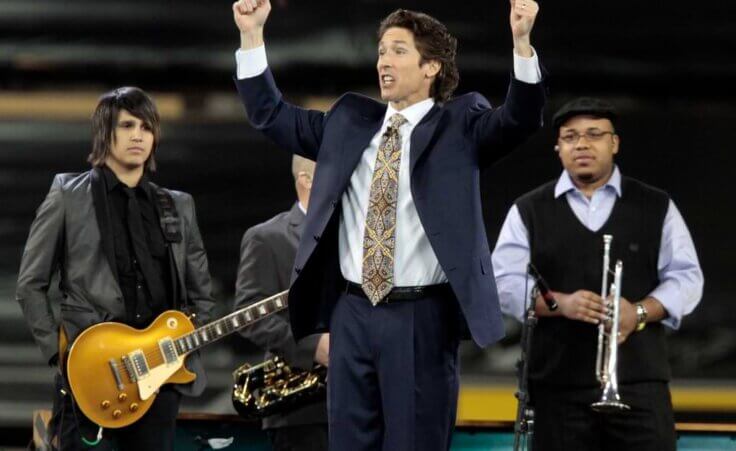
157, 377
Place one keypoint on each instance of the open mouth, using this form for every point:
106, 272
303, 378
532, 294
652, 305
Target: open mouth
387, 80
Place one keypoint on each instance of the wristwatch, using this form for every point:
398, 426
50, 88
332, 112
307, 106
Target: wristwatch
641, 317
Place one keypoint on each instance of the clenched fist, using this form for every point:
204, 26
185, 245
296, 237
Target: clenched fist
251, 15
522, 17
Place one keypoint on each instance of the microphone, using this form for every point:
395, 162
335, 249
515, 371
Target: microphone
543, 288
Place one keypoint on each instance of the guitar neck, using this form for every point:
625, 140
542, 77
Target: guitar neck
231, 323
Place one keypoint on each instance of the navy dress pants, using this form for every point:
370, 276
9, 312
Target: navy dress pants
393, 374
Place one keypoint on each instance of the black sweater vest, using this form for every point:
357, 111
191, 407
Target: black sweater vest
570, 258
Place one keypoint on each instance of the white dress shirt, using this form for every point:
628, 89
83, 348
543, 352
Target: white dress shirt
415, 263
681, 279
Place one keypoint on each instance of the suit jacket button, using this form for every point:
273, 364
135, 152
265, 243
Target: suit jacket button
297, 270
316, 238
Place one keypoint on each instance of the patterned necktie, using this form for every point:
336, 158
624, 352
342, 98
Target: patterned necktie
379, 240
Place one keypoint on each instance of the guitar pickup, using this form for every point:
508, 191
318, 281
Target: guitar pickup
136, 364
166, 345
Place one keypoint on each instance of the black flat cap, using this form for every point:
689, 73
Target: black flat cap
585, 106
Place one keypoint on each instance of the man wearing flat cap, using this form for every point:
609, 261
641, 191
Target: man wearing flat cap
559, 228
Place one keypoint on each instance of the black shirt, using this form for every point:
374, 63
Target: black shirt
137, 286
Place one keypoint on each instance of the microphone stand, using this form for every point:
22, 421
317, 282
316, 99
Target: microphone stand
524, 425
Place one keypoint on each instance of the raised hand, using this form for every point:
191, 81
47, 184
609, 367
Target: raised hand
522, 17
251, 15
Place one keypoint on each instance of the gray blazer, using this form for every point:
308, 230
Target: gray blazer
266, 258
72, 234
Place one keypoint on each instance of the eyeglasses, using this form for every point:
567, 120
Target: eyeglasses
590, 136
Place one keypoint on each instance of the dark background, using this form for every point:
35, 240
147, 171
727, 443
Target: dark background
668, 66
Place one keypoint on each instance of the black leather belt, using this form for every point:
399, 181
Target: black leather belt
401, 293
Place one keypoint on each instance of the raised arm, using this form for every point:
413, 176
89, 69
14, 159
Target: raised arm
250, 16
295, 129
521, 17
500, 130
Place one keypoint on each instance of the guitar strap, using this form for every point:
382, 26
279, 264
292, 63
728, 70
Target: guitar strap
169, 217
171, 228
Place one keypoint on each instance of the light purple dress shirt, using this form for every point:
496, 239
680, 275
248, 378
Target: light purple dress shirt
681, 279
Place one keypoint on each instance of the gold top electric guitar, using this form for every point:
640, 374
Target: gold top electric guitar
115, 371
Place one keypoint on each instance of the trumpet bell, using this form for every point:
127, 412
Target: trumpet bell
610, 402
609, 406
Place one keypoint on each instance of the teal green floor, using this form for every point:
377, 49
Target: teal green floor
192, 435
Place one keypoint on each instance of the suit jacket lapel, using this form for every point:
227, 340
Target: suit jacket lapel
99, 199
422, 134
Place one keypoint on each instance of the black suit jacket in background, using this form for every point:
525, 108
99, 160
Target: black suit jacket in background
267, 255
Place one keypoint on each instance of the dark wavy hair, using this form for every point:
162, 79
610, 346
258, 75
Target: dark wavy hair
104, 121
433, 42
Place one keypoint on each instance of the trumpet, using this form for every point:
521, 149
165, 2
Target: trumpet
608, 331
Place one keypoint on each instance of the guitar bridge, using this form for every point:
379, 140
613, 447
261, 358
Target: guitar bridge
116, 374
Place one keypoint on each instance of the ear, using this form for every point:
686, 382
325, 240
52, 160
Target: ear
433, 68
305, 180
616, 142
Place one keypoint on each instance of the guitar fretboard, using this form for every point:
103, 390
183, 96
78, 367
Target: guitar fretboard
233, 322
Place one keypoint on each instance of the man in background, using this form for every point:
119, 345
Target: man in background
267, 256
126, 250
559, 228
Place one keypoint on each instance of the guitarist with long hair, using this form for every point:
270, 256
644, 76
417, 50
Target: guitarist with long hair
125, 251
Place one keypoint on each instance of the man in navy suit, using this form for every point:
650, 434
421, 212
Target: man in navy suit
393, 259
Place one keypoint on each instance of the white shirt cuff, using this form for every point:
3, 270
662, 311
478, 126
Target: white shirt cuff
251, 62
527, 69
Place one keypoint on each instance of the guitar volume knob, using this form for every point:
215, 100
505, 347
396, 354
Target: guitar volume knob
134, 407
105, 404
116, 413
122, 397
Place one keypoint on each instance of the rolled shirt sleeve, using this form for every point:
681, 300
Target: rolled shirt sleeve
510, 259
680, 275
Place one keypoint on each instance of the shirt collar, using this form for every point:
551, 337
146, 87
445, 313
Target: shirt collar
413, 114
565, 184
112, 181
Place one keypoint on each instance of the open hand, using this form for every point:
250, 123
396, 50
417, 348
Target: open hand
582, 305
